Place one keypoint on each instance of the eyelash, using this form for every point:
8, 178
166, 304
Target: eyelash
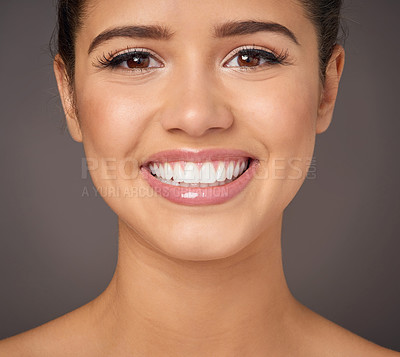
269, 57
112, 61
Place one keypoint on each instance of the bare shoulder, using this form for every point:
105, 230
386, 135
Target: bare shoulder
24, 344
61, 337
327, 339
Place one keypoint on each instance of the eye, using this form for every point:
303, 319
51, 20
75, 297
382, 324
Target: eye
131, 60
251, 58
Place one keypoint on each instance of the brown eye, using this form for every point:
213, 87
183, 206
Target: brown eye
248, 60
134, 60
138, 61
254, 58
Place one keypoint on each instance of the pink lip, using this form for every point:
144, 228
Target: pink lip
197, 155
199, 195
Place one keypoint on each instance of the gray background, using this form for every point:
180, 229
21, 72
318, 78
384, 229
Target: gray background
341, 233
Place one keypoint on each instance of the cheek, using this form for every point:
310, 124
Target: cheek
282, 114
113, 118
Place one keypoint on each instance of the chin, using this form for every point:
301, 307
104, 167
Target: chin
211, 243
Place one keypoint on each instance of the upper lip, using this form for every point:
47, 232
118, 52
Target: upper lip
194, 155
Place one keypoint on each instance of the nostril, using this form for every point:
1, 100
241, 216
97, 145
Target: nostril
195, 116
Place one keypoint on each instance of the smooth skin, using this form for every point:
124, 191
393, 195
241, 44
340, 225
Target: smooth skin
206, 280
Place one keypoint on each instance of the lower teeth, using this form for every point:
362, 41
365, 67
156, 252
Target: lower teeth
184, 184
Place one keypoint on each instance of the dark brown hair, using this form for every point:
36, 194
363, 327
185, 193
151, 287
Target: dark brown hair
70, 16
324, 14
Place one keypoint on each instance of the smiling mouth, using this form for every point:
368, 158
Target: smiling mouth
199, 174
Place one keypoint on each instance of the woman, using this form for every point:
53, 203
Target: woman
198, 120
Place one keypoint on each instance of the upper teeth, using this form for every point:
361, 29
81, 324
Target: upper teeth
199, 172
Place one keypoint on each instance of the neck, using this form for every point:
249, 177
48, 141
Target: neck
158, 303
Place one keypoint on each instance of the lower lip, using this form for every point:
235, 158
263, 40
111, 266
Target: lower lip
192, 196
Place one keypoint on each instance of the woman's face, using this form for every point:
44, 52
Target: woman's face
188, 88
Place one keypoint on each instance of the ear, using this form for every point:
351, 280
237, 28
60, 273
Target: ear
330, 89
67, 99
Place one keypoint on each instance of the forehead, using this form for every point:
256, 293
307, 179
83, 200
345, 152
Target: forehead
193, 19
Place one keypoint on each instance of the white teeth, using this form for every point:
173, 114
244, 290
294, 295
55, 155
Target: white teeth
229, 170
207, 173
157, 170
242, 167
191, 174
220, 174
236, 170
168, 171
178, 173
161, 168
204, 174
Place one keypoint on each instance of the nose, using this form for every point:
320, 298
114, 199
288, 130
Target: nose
195, 105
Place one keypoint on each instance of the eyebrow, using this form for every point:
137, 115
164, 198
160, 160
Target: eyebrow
238, 28
155, 32
158, 32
